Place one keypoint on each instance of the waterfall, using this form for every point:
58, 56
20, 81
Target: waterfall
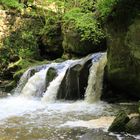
34, 85
51, 92
95, 81
26, 76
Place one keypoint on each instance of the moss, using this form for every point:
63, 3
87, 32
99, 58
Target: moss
104, 8
18, 74
82, 32
85, 24
8, 87
51, 74
50, 42
123, 49
121, 12
119, 123
11, 4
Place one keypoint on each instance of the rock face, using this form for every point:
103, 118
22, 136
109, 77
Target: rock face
75, 81
124, 50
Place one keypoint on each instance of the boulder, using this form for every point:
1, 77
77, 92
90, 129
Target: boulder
133, 126
97, 135
14, 58
51, 74
119, 123
74, 83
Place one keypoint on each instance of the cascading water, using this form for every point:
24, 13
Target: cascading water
51, 92
33, 115
35, 86
26, 76
94, 88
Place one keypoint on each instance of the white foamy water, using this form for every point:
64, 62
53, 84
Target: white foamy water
102, 122
51, 92
29, 118
16, 106
35, 85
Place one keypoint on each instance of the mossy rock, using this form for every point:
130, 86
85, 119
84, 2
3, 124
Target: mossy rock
50, 40
51, 74
124, 51
8, 87
133, 126
72, 43
119, 123
18, 74
14, 58
82, 33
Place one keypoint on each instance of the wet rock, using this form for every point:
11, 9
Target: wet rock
119, 123
51, 74
14, 58
75, 81
7, 86
133, 126
97, 135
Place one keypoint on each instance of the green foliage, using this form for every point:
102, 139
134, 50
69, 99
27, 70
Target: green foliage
23, 41
121, 10
85, 23
105, 7
87, 5
11, 4
51, 32
52, 25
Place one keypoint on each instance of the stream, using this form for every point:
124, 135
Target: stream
33, 112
